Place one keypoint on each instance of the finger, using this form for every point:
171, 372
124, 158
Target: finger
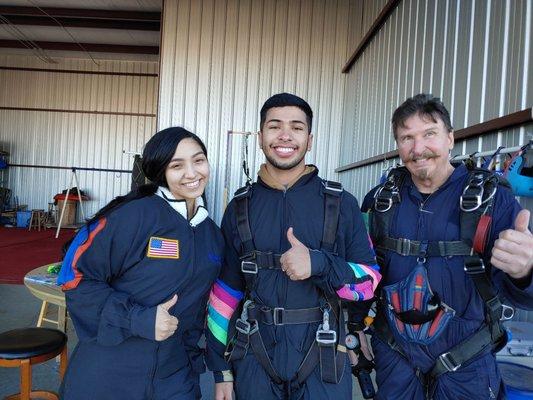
522, 221
292, 239
167, 305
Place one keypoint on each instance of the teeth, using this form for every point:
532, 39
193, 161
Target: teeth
192, 184
285, 149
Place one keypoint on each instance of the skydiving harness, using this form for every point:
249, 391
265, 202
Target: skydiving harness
324, 349
476, 204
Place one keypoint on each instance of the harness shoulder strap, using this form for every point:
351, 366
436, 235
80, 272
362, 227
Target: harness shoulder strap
332, 202
242, 197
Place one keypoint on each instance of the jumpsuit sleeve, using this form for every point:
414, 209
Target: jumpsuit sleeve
355, 277
506, 209
99, 312
225, 297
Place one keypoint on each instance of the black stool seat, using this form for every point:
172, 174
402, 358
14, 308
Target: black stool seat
30, 342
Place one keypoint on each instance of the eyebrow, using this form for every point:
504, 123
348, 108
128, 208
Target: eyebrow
294, 121
182, 159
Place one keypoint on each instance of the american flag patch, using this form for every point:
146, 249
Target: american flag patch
163, 248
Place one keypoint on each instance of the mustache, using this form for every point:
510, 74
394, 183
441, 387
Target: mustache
426, 154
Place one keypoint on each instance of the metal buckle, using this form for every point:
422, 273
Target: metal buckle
466, 199
333, 186
507, 313
449, 363
474, 266
324, 335
403, 246
277, 314
246, 327
249, 267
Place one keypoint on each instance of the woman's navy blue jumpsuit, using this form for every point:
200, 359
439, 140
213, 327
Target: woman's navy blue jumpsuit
114, 276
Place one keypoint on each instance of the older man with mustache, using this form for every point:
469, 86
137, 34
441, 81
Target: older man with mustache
448, 241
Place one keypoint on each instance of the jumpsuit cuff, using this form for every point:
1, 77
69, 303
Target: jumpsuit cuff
143, 321
223, 376
521, 292
318, 262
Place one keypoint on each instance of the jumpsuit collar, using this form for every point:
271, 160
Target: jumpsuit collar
267, 180
180, 206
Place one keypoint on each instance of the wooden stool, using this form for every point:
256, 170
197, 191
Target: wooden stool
25, 347
36, 220
61, 320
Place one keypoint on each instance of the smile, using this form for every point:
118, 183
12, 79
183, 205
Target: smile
284, 151
192, 185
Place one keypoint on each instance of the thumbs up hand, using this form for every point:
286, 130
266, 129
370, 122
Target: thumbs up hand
165, 324
513, 250
296, 262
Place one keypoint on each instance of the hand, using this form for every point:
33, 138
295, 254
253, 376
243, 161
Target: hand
165, 324
224, 391
296, 262
365, 348
513, 250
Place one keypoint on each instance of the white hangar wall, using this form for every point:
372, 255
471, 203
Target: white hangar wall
220, 60
474, 54
84, 118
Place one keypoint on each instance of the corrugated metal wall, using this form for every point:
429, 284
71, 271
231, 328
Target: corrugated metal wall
74, 139
222, 59
473, 54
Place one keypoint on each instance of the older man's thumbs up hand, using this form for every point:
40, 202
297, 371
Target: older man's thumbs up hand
513, 250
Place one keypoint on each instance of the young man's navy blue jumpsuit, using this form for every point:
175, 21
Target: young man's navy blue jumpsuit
272, 210
437, 218
114, 276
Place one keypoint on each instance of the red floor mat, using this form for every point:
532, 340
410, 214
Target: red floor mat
21, 251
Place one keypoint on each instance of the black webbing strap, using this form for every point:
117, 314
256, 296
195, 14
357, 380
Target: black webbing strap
258, 347
407, 247
282, 316
460, 354
332, 201
242, 197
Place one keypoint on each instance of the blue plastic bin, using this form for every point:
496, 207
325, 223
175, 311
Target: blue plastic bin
23, 219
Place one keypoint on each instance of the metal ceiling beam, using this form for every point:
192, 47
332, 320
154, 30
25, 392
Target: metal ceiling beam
81, 13
90, 47
77, 22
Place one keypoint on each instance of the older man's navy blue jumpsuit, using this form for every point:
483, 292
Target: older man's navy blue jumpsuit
114, 276
271, 212
437, 218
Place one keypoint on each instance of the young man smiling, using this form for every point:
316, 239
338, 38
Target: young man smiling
295, 246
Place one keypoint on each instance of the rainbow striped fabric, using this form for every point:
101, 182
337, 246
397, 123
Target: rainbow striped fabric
223, 301
364, 290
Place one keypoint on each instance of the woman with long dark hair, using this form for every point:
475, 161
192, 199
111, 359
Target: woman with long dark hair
136, 280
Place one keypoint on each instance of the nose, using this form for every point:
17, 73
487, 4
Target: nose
190, 172
285, 133
418, 146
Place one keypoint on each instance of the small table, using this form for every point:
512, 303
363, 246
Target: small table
43, 286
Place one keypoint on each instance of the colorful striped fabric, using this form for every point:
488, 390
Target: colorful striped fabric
223, 301
364, 290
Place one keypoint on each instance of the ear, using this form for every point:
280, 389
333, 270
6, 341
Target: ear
260, 139
310, 142
451, 140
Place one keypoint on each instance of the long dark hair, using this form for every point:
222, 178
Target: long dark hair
156, 156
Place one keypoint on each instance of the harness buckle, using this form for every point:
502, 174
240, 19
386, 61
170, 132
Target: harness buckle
333, 186
403, 246
474, 265
277, 315
383, 201
448, 362
246, 327
249, 267
324, 335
